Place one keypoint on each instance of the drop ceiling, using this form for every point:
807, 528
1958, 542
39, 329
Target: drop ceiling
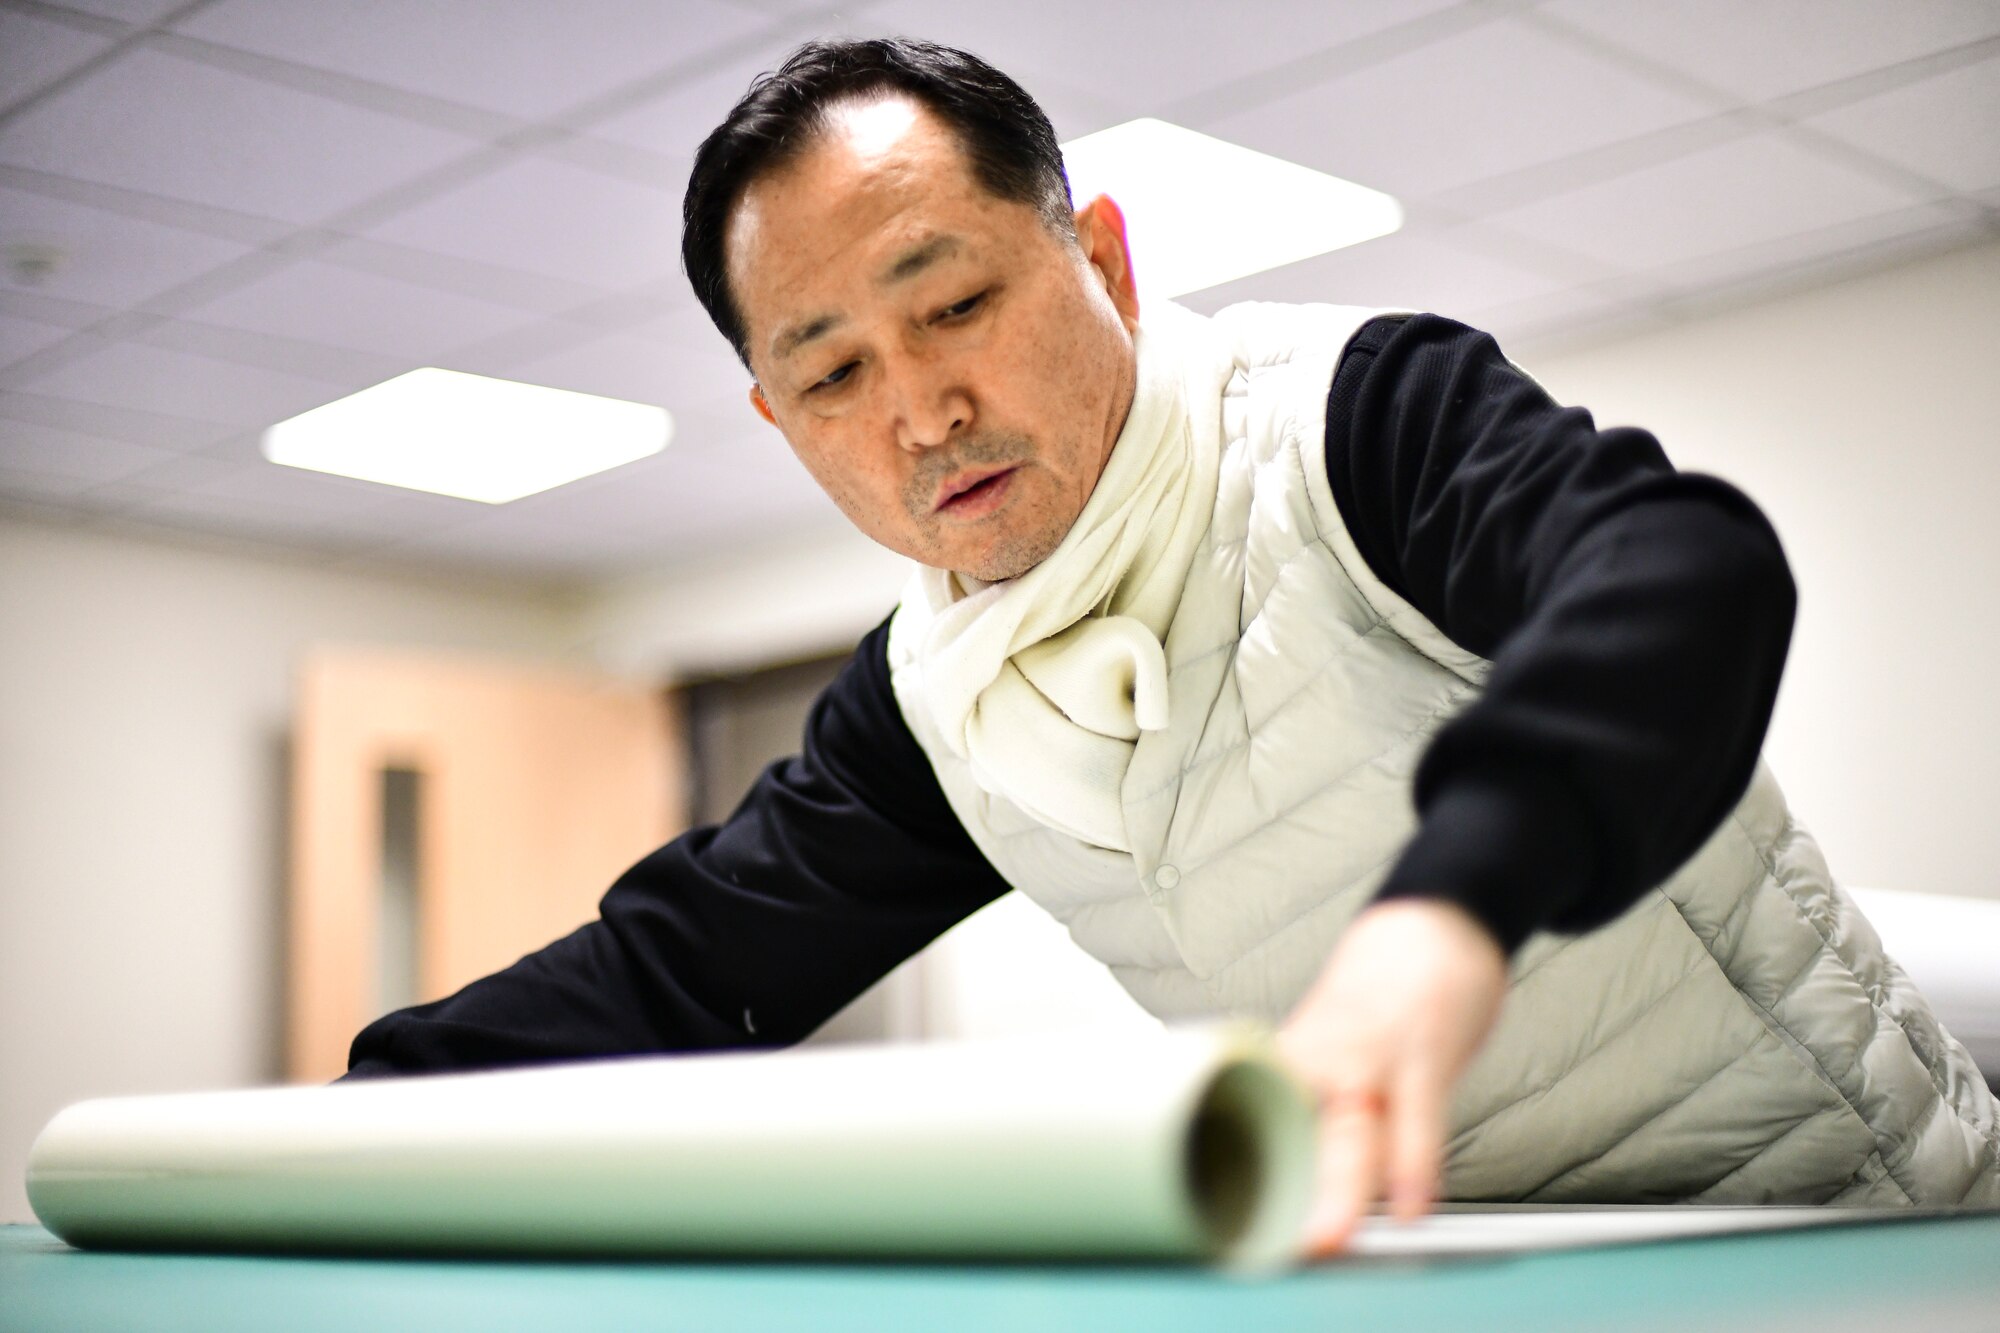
221, 213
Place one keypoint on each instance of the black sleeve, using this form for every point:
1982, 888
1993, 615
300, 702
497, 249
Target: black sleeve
1637, 619
839, 864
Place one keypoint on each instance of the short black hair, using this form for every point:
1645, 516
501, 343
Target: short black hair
1008, 141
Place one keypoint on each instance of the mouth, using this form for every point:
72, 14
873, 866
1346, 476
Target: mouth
971, 493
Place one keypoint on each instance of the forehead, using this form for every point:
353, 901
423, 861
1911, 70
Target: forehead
886, 175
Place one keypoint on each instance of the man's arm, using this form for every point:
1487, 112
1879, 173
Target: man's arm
839, 864
1637, 620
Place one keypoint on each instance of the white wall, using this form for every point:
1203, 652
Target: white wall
796, 596
1864, 418
145, 694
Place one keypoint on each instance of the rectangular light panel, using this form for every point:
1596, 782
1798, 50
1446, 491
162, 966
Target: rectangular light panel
1200, 211
454, 433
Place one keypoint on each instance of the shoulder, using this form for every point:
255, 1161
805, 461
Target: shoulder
1273, 333
1420, 343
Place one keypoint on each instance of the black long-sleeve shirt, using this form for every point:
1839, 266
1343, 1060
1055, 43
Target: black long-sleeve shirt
1637, 619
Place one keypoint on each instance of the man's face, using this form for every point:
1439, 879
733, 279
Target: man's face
951, 372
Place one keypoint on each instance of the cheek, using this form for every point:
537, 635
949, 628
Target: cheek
863, 489
1062, 374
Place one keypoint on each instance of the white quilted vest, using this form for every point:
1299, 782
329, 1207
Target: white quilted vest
1737, 1036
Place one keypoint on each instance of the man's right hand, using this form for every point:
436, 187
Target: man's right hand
1402, 1005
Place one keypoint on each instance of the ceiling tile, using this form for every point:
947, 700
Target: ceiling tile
130, 11
29, 303
132, 425
683, 322
625, 498
674, 123
180, 472
1493, 99
552, 218
637, 369
1509, 189
151, 122
531, 292
53, 356
753, 473
1558, 319
668, 506
401, 510
163, 175
114, 496
789, 8
725, 421
643, 306
103, 257
341, 307
86, 459
1409, 270
504, 353
342, 369
522, 58
42, 487
1764, 49
1139, 59
260, 522
367, 95
177, 214
1947, 127
181, 384
19, 337
362, 507
1742, 193
1819, 256
34, 53
1511, 247
238, 272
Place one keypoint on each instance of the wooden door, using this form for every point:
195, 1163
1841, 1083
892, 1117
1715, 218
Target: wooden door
533, 789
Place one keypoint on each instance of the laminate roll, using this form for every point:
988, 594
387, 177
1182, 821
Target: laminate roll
1194, 1144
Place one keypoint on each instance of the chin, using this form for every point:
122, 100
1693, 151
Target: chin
1011, 556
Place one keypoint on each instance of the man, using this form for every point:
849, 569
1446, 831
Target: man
1194, 598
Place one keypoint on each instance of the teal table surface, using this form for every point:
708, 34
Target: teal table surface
1925, 1274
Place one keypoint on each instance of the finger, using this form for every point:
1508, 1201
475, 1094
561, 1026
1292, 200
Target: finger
1415, 1146
1350, 1170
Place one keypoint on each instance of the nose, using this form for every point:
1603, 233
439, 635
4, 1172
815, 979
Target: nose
930, 401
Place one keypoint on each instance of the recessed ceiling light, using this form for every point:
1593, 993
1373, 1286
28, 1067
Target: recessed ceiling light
1200, 211
478, 438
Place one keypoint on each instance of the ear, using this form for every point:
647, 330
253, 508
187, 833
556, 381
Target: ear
763, 408
1100, 231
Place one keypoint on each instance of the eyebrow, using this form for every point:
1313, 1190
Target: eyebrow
905, 266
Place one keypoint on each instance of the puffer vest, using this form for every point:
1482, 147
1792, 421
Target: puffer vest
1737, 1036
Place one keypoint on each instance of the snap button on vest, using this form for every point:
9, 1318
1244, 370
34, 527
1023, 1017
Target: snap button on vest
1166, 877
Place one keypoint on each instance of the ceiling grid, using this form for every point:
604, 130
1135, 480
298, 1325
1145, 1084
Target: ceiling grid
252, 206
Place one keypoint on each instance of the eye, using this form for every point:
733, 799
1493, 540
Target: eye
963, 308
833, 380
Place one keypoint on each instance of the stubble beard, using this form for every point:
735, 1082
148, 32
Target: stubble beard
1031, 539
